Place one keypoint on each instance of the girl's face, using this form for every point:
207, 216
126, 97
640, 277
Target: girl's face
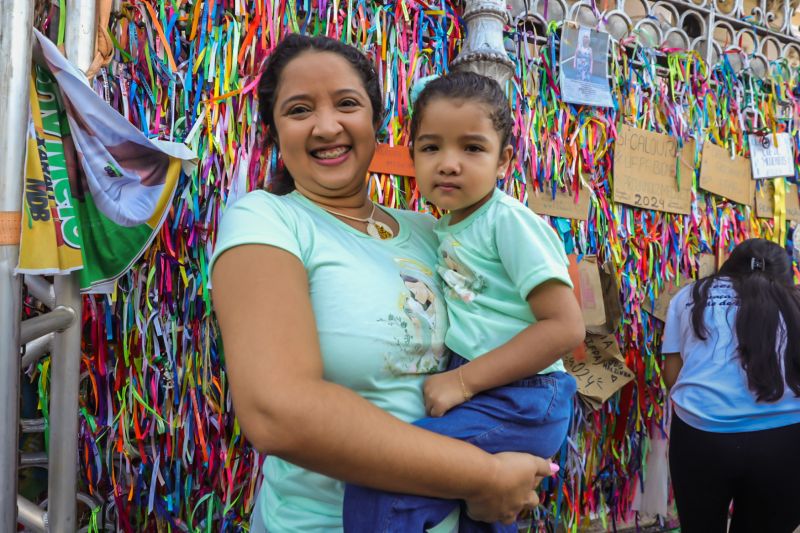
323, 119
457, 155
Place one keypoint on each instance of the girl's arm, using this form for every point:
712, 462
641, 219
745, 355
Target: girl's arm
559, 329
287, 409
673, 362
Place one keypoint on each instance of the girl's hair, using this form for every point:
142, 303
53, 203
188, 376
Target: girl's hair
464, 85
769, 305
290, 48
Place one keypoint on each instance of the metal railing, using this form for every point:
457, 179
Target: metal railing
56, 331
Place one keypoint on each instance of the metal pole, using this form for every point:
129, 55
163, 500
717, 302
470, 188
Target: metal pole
31, 516
58, 319
65, 362
16, 21
41, 289
66, 353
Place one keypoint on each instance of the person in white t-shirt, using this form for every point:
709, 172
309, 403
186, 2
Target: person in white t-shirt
732, 360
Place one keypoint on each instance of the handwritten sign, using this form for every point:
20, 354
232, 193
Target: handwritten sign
660, 307
602, 373
394, 160
770, 159
645, 171
765, 198
724, 176
792, 203
564, 204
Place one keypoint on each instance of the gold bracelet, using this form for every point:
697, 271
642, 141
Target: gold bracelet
464, 391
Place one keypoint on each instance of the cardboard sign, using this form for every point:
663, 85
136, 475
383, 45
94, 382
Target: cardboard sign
564, 204
591, 299
611, 303
602, 373
770, 160
645, 171
792, 203
574, 275
765, 199
660, 307
706, 265
724, 176
394, 160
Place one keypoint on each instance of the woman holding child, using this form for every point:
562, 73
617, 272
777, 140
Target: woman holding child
316, 293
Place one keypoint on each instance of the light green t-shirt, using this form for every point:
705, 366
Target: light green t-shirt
380, 317
490, 262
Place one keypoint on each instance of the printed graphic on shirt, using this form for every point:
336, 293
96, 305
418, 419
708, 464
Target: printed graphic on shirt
461, 282
423, 318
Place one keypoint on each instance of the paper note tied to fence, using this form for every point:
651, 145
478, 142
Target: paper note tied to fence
603, 372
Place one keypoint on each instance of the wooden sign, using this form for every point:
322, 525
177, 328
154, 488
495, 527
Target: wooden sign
770, 159
564, 204
645, 171
602, 373
394, 160
724, 176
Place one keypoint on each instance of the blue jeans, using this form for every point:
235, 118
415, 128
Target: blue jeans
531, 415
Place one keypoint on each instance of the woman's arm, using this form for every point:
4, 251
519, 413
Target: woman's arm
558, 330
672, 367
287, 409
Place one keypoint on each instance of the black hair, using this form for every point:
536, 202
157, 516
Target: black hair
468, 86
288, 49
769, 303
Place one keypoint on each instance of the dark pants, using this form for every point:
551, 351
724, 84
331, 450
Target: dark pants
530, 415
758, 470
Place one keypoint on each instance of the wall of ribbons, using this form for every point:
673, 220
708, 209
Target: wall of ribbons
160, 448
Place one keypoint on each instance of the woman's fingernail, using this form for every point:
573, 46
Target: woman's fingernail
554, 468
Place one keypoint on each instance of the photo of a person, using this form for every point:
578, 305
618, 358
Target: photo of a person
583, 55
584, 67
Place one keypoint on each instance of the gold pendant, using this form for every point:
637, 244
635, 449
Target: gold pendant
379, 230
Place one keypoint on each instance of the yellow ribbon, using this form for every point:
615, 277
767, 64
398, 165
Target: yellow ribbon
779, 213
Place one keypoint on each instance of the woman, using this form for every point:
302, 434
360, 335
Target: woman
732, 361
309, 290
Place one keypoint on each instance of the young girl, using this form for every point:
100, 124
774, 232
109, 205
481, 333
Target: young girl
511, 308
732, 359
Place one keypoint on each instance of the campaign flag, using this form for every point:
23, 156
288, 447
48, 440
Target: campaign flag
103, 182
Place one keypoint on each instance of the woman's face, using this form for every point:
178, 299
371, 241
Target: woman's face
323, 119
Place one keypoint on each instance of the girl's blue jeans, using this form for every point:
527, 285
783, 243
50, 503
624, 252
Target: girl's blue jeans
531, 415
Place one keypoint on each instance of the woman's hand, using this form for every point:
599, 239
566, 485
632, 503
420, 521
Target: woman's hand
442, 392
511, 490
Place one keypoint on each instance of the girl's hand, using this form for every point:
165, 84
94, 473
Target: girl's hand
511, 490
442, 392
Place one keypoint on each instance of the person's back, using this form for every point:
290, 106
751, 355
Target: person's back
711, 392
732, 358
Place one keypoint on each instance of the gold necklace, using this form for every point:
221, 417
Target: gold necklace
375, 228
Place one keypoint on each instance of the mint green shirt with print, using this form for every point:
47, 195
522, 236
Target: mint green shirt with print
490, 262
381, 320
